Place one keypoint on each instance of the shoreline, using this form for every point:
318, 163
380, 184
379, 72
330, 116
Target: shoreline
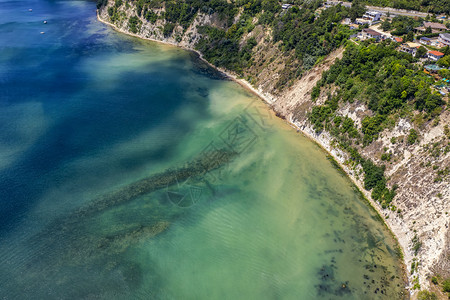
269, 102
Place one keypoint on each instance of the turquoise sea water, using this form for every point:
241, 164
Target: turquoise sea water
131, 170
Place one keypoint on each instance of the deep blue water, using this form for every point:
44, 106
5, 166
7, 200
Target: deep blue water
50, 75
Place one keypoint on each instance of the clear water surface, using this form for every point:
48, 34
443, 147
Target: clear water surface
131, 170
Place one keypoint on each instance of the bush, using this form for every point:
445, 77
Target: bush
168, 29
446, 285
412, 137
373, 174
386, 156
416, 245
134, 24
315, 93
426, 295
151, 16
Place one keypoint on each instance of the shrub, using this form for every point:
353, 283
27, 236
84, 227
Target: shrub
426, 295
134, 24
412, 137
446, 285
373, 174
168, 29
386, 156
416, 245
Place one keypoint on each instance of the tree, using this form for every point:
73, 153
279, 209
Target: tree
446, 50
444, 73
357, 10
409, 37
445, 61
412, 137
386, 25
421, 52
428, 30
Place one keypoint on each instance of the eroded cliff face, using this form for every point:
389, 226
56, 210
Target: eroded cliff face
154, 31
421, 217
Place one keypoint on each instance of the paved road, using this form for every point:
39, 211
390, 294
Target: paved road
394, 11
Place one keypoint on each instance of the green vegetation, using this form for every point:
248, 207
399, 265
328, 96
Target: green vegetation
168, 29
134, 24
426, 295
412, 137
299, 31
413, 266
401, 25
446, 286
416, 244
390, 83
445, 61
387, 81
434, 6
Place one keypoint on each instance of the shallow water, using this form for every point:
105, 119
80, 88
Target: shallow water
130, 169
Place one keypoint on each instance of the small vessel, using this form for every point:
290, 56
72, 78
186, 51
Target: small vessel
30, 9
42, 32
45, 22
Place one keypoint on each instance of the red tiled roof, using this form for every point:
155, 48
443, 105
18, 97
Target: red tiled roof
398, 39
436, 53
371, 32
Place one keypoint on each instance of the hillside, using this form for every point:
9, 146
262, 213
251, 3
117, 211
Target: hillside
371, 106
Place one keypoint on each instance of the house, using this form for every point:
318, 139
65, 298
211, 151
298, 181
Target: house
435, 27
410, 48
398, 39
361, 21
425, 41
286, 6
444, 39
435, 55
329, 4
346, 21
369, 18
372, 16
368, 33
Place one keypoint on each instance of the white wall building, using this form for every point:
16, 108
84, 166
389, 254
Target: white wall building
372, 16
444, 38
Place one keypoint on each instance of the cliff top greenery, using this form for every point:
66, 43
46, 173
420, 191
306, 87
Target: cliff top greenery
432, 6
301, 31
